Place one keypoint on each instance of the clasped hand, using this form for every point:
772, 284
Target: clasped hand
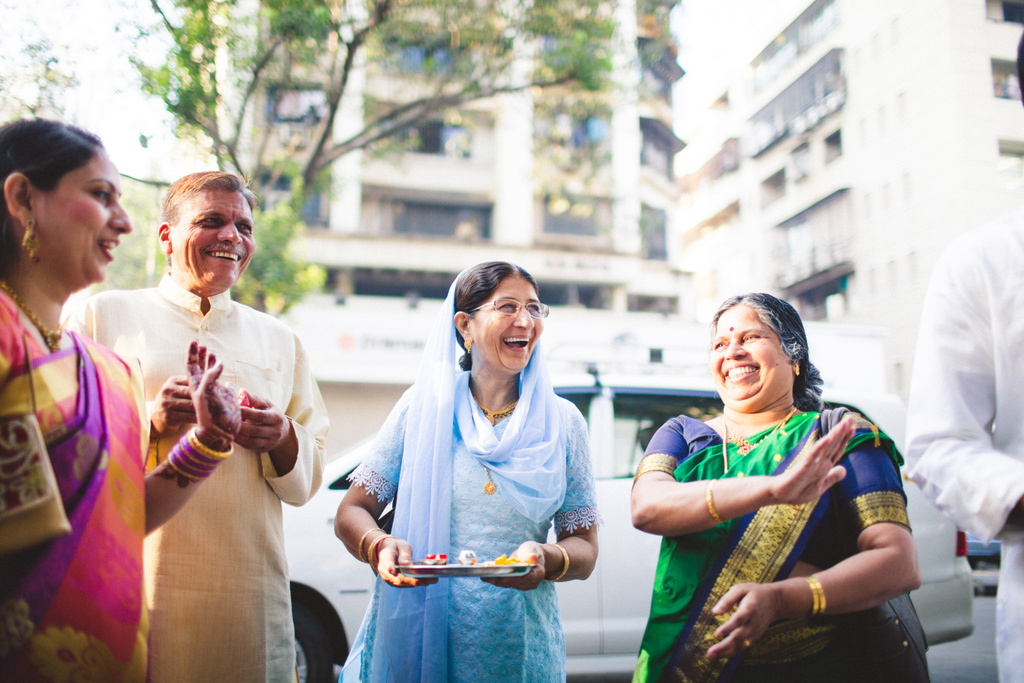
263, 426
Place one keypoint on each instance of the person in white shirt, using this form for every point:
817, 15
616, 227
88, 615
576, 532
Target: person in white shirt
965, 431
217, 578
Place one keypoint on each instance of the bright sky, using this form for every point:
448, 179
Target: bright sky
92, 39
718, 39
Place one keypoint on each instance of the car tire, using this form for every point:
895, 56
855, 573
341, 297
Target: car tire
312, 648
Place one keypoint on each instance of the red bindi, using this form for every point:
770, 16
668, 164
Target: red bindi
731, 329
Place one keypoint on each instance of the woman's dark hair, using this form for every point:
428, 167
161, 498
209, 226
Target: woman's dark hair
785, 322
476, 286
44, 151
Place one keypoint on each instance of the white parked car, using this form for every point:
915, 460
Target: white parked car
604, 617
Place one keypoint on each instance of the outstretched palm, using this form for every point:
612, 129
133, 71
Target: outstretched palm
217, 413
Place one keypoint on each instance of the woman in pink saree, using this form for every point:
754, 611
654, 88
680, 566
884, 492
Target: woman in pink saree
74, 502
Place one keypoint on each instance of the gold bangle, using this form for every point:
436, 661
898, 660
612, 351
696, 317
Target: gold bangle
817, 596
373, 546
363, 539
709, 497
203, 449
565, 562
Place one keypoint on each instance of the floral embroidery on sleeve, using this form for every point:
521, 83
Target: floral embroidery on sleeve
570, 520
375, 484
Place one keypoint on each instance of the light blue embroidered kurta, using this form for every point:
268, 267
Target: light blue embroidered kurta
493, 633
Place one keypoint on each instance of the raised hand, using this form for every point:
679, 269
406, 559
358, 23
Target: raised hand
816, 472
217, 414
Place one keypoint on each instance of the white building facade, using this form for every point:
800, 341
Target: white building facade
859, 141
475, 187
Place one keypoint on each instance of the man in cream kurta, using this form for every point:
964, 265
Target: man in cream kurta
217, 577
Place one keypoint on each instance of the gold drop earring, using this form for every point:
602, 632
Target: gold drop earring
469, 345
30, 243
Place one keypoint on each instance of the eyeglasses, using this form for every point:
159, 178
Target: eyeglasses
511, 308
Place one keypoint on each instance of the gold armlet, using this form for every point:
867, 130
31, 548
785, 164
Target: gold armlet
656, 462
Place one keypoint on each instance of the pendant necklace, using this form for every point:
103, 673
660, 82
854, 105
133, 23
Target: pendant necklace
51, 337
742, 445
494, 417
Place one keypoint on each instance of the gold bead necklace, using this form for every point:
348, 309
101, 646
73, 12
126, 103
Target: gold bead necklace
51, 337
496, 416
744, 446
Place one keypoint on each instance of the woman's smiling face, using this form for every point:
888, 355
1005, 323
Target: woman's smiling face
748, 365
504, 343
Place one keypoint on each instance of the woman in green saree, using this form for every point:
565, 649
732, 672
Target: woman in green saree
773, 514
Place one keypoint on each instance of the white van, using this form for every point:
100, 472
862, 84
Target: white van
604, 617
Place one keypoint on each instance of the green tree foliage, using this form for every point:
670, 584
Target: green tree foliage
240, 64
272, 282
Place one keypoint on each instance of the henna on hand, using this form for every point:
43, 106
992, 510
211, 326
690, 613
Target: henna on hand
217, 412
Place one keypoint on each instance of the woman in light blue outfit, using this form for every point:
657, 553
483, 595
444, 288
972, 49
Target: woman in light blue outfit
483, 456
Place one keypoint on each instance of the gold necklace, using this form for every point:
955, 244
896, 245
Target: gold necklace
496, 416
51, 337
744, 446
489, 487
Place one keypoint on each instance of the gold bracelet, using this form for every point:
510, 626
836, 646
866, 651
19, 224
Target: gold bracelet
817, 596
709, 497
565, 562
363, 539
373, 546
203, 449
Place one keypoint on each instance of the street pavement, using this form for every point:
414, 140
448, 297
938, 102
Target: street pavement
973, 659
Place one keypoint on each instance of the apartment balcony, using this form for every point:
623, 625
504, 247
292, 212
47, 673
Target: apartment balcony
824, 263
389, 253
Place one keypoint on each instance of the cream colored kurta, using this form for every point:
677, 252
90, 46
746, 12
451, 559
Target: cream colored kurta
965, 435
216, 573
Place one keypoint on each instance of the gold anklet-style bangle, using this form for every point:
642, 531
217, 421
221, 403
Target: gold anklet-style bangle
565, 562
373, 546
363, 538
709, 497
817, 595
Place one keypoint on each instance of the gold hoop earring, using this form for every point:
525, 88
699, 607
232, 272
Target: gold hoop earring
30, 243
469, 345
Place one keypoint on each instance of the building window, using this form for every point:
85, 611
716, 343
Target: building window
468, 223
653, 229
659, 146
805, 104
1005, 84
434, 137
1011, 165
801, 161
296, 105
581, 216
773, 187
1013, 11
834, 146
